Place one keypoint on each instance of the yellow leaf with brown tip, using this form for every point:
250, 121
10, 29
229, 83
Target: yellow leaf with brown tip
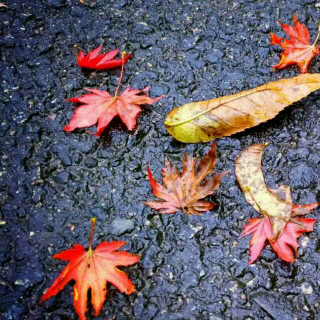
207, 120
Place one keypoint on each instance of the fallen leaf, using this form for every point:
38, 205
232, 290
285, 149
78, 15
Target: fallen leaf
99, 106
92, 269
297, 50
2, 5
207, 120
94, 60
183, 190
281, 225
286, 246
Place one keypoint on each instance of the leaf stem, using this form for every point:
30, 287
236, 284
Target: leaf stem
123, 55
93, 223
75, 46
317, 38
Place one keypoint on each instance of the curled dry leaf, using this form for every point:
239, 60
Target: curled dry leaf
281, 225
94, 60
207, 120
92, 269
297, 50
183, 190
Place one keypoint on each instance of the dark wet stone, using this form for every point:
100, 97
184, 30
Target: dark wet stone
72, 85
272, 303
302, 176
214, 55
7, 42
121, 3
15, 312
189, 43
142, 28
62, 177
78, 11
57, 3
158, 90
298, 154
121, 226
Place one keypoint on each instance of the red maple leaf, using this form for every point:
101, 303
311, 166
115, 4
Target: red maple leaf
297, 50
286, 246
92, 269
94, 60
99, 106
281, 224
184, 190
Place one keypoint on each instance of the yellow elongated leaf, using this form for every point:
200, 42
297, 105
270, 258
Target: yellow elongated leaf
275, 204
207, 120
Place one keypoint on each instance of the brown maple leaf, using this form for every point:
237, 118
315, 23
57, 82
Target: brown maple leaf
92, 269
183, 190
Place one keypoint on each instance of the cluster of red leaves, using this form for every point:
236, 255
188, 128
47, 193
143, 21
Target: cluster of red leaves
92, 269
99, 106
261, 230
297, 50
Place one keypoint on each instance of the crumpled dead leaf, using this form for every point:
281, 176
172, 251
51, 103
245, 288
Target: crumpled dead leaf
280, 225
207, 120
184, 190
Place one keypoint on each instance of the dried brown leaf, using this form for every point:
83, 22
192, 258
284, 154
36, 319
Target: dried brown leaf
184, 190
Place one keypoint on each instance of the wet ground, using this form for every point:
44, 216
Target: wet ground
52, 182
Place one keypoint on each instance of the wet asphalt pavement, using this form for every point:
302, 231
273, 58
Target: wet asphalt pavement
52, 182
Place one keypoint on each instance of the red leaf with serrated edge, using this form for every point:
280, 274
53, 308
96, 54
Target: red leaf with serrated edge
286, 246
92, 269
94, 60
186, 189
281, 224
297, 50
99, 106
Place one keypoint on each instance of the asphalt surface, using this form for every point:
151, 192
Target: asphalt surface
53, 182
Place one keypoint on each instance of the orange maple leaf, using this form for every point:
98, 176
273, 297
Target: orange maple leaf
297, 50
99, 106
184, 190
92, 269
